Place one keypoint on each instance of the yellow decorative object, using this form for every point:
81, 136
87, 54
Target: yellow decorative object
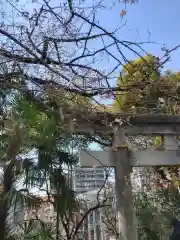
157, 142
120, 147
1, 188
175, 181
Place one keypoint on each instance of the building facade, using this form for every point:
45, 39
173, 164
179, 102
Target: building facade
93, 228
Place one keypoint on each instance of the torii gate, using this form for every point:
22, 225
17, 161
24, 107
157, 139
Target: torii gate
124, 159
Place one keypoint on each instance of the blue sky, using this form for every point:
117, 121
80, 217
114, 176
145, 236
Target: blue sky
160, 18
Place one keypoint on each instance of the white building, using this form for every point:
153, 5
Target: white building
95, 228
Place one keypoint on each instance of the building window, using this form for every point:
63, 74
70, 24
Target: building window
91, 218
92, 234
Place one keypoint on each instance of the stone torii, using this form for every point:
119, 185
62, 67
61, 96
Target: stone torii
124, 159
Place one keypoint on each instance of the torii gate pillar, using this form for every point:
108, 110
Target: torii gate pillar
121, 161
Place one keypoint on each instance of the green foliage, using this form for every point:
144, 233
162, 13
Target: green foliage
141, 74
46, 147
148, 90
37, 230
155, 210
47, 129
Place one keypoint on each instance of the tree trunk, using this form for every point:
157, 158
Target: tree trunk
7, 184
